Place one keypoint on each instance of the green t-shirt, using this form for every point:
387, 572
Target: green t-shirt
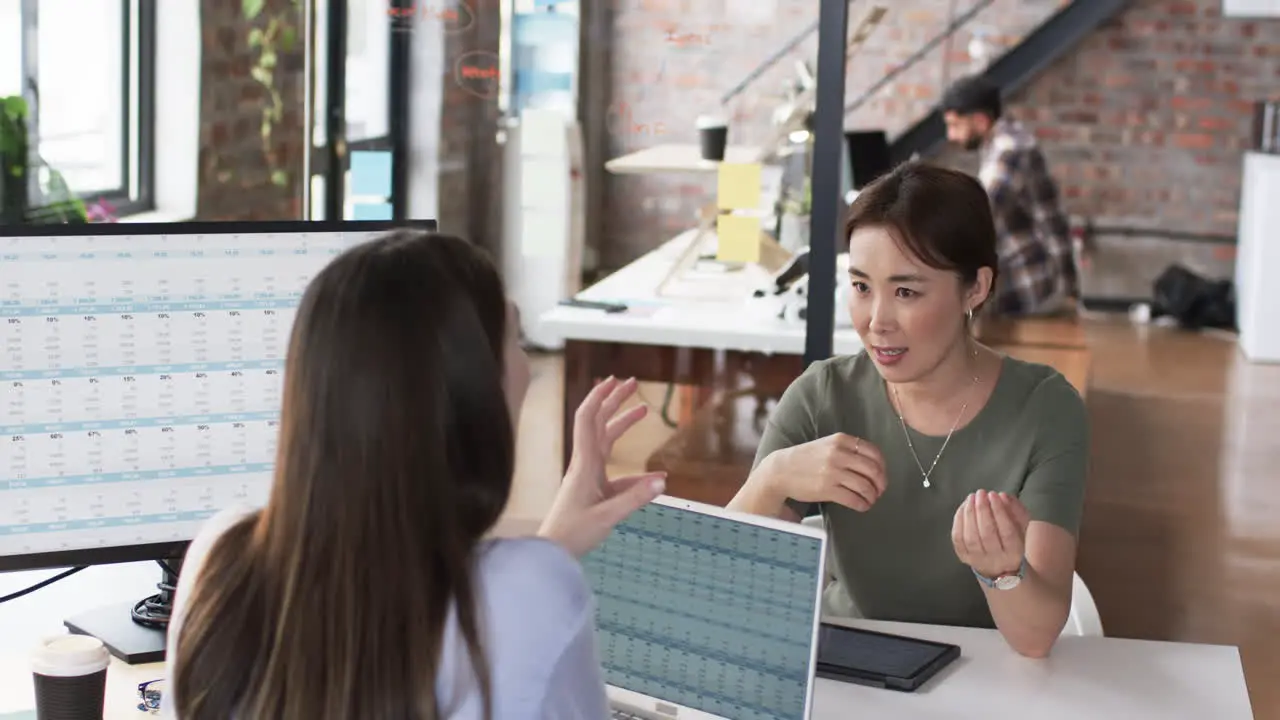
896, 561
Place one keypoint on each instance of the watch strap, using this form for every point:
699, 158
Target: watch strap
991, 582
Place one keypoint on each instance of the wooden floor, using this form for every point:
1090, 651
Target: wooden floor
1181, 531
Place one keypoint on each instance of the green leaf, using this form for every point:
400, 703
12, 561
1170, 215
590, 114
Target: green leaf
280, 177
252, 8
262, 75
268, 59
15, 107
289, 38
255, 37
266, 127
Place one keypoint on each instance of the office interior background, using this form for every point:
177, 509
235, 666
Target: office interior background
1149, 112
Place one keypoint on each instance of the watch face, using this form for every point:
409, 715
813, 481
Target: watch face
1007, 582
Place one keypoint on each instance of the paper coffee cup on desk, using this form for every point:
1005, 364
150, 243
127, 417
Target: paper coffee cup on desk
713, 136
70, 673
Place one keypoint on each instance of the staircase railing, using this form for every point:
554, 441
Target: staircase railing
915, 57
769, 62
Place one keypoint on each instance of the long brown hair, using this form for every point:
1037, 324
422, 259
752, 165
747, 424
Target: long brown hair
395, 458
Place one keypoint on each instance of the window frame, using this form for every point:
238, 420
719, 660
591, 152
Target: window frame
136, 194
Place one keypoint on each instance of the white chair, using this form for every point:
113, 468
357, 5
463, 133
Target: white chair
1083, 619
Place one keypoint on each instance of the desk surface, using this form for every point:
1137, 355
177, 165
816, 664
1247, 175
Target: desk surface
1084, 677
695, 310
677, 158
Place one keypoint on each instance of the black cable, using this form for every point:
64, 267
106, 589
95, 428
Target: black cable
154, 611
42, 584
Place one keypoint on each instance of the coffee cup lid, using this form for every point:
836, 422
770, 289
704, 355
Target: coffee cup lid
69, 656
712, 121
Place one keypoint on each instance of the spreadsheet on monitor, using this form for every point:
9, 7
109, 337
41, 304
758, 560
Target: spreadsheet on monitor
708, 612
140, 380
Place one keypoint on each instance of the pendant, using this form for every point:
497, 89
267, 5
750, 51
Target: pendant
926, 482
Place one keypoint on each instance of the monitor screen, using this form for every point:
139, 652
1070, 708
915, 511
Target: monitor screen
707, 612
140, 382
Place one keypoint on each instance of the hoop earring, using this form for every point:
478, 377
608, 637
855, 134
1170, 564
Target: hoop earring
969, 315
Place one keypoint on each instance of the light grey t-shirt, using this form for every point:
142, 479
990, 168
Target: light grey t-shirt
539, 632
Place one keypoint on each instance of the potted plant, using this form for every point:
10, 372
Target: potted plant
793, 235
54, 201
13, 161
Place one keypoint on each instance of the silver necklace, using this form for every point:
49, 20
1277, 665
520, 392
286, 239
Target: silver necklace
925, 474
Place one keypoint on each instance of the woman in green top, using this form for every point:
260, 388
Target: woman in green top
951, 478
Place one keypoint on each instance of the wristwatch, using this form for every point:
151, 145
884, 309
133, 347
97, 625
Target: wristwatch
1008, 581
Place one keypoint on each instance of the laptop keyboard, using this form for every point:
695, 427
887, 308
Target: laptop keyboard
623, 715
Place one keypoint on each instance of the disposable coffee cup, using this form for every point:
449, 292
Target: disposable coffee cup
713, 135
70, 673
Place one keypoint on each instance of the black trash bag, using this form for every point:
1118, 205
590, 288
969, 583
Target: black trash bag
1194, 301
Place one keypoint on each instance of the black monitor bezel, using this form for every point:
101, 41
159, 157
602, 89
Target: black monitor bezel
174, 549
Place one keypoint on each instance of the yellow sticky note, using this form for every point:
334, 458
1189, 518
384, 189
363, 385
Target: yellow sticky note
738, 186
738, 238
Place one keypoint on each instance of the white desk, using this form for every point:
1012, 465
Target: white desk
1100, 678
714, 312
677, 158
1084, 677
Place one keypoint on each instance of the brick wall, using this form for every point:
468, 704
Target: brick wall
1147, 122
1144, 123
236, 165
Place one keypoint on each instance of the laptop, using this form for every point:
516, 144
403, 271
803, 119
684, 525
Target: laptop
704, 613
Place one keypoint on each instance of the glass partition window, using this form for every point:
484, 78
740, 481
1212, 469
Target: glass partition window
82, 105
83, 68
10, 49
366, 110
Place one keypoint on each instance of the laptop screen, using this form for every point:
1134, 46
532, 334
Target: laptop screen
707, 612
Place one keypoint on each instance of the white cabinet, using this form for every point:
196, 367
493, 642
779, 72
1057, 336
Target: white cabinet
1251, 8
1258, 259
543, 222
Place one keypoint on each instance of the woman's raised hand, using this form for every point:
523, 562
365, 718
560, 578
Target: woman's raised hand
589, 504
838, 468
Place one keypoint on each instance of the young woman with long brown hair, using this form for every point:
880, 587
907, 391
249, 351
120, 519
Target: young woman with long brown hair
366, 587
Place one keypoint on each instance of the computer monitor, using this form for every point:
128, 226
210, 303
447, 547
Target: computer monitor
869, 156
140, 379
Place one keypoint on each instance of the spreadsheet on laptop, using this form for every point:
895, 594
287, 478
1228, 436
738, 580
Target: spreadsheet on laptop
707, 612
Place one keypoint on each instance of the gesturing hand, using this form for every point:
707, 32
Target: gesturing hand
838, 468
589, 504
989, 533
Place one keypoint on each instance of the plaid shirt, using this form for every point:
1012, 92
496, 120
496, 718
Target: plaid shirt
1037, 262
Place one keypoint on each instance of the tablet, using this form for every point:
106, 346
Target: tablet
879, 659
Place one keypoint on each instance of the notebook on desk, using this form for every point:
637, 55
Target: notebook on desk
703, 613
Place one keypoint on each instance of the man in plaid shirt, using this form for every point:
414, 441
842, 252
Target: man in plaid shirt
1038, 273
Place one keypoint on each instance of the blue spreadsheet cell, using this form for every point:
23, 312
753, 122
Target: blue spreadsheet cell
707, 612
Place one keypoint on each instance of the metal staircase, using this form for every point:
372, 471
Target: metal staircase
1012, 71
